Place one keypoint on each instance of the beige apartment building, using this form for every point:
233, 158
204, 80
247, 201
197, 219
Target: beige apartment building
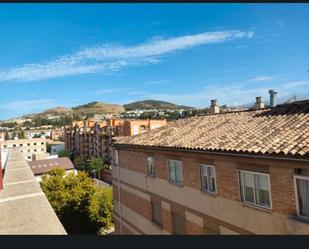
95, 138
28, 147
244, 172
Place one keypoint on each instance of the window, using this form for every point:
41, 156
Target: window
29, 150
42, 149
29, 157
255, 188
34, 150
34, 143
179, 224
175, 171
5, 146
21, 145
42, 143
14, 145
302, 191
28, 144
156, 213
208, 178
150, 166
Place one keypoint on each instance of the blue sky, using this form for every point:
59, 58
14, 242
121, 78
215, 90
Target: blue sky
70, 54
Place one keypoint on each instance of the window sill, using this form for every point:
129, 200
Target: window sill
267, 210
212, 194
176, 184
300, 218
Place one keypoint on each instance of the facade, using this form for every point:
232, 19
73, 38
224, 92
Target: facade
228, 173
92, 138
56, 134
40, 167
28, 147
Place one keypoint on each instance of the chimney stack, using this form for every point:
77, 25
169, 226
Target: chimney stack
259, 104
214, 108
272, 98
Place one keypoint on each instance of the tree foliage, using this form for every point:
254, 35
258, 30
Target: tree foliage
82, 207
64, 153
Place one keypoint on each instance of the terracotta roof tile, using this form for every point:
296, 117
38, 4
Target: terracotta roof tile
280, 130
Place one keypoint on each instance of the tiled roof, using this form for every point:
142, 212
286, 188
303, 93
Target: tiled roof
283, 130
43, 166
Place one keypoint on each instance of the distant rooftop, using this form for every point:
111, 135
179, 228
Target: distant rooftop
24, 209
43, 166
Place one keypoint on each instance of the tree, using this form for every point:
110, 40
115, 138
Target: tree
101, 208
64, 153
95, 164
77, 201
21, 134
80, 162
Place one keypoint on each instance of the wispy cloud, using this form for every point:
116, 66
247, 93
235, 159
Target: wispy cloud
294, 84
232, 93
110, 90
29, 105
158, 82
264, 78
108, 58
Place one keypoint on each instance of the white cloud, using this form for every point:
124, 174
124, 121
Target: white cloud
158, 82
294, 84
107, 59
29, 105
264, 78
110, 90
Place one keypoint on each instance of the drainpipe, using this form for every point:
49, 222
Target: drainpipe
119, 196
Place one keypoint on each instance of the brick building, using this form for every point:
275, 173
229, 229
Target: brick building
241, 172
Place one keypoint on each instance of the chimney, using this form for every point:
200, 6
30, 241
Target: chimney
272, 98
259, 104
214, 108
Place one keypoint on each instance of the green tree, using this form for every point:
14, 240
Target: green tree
21, 134
101, 208
80, 163
95, 165
77, 202
64, 153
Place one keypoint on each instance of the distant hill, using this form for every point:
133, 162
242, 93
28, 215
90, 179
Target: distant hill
58, 110
153, 104
98, 108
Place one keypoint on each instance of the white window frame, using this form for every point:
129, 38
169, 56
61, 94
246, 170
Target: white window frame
168, 169
153, 167
241, 186
208, 178
296, 194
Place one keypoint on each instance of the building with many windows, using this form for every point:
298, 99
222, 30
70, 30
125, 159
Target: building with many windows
92, 138
244, 172
28, 147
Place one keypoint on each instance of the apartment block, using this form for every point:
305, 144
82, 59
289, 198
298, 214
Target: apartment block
243, 172
95, 138
28, 147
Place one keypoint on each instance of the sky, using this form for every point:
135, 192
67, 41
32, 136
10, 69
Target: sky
71, 54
